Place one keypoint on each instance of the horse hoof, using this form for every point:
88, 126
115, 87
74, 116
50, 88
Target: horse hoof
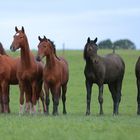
55, 113
101, 113
87, 113
46, 113
64, 112
115, 114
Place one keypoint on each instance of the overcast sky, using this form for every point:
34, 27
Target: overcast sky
70, 22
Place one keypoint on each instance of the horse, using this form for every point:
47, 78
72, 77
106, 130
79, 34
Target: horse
2, 52
103, 70
7, 78
137, 73
55, 74
29, 72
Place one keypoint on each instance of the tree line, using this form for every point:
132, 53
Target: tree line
119, 44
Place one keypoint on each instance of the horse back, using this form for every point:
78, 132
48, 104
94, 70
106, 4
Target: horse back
114, 67
65, 70
8, 69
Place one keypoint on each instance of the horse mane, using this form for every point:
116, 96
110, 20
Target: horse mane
84, 54
54, 48
2, 51
53, 45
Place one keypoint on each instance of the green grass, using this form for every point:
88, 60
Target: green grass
75, 125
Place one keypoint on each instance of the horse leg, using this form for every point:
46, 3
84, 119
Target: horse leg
1, 101
115, 89
8, 99
28, 106
100, 99
47, 98
25, 89
34, 95
118, 96
88, 88
64, 90
112, 88
5, 96
21, 97
138, 96
42, 100
56, 94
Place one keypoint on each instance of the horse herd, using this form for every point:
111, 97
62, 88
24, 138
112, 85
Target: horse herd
30, 74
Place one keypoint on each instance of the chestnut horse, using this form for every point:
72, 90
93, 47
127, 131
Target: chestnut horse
29, 71
7, 76
55, 74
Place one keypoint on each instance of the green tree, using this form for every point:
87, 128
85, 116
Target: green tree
124, 44
105, 44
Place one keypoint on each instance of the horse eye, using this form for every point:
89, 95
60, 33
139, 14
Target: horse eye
44, 46
21, 36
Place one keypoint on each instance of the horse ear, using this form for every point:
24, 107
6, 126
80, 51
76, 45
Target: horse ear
23, 29
95, 40
39, 38
45, 37
16, 29
88, 40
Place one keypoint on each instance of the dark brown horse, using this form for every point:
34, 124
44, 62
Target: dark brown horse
103, 70
137, 73
29, 71
55, 74
7, 76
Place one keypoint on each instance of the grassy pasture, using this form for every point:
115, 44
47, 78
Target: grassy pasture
75, 125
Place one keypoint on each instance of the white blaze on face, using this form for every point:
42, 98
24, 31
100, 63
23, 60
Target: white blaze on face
17, 34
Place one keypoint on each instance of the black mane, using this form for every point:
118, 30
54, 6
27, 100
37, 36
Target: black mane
54, 48
53, 45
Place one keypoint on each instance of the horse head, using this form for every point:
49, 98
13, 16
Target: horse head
45, 48
19, 39
90, 48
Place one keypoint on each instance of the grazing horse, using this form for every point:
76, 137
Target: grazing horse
29, 71
7, 76
103, 70
137, 73
55, 74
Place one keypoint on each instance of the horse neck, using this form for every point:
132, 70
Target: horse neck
2, 51
25, 55
50, 60
91, 60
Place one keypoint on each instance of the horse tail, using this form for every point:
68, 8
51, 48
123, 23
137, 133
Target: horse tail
113, 47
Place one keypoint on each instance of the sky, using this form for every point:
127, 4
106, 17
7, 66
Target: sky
70, 22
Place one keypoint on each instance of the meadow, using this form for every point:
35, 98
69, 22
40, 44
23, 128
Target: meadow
75, 125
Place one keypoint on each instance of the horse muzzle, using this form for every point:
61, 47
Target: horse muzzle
38, 58
12, 48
